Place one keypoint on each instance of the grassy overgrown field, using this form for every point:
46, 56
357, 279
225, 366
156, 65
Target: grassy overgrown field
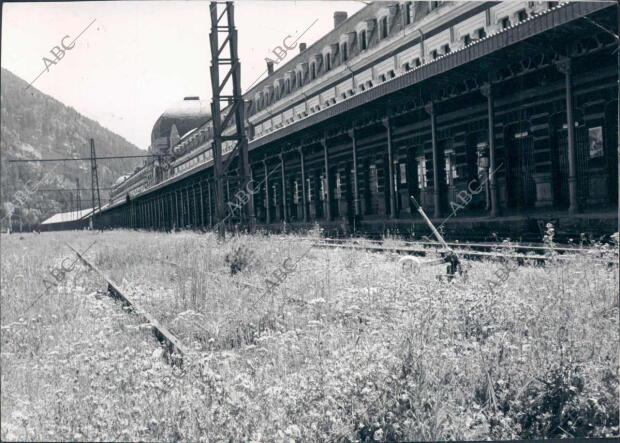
348, 347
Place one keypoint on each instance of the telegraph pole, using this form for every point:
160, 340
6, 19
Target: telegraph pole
78, 200
94, 186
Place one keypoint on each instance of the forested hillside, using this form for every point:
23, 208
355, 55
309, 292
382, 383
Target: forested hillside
35, 125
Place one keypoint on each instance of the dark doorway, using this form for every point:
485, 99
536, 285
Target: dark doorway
318, 188
476, 168
519, 152
412, 178
348, 186
559, 159
442, 147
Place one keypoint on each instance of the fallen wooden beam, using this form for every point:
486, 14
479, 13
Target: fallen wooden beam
174, 350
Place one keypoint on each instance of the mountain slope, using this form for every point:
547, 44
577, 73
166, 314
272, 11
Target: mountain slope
35, 125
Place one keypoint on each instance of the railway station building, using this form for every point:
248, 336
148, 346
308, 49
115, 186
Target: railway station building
498, 117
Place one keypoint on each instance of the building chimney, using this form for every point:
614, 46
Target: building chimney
302, 47
269, 67
339, 17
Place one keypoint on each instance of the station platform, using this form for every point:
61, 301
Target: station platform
590, 224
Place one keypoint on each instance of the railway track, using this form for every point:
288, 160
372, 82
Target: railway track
476, 250
174, 350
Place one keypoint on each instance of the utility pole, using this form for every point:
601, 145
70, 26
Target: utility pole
78, 200
94, 185
224, 22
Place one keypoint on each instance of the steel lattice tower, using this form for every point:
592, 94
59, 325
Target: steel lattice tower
229, 68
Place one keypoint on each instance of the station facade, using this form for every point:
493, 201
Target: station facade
495, 116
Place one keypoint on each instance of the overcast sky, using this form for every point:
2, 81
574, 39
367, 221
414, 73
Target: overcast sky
139, 57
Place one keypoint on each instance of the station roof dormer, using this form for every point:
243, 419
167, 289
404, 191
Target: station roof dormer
349, 38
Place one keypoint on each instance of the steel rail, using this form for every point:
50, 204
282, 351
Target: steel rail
472, 245
466, 253
174, 350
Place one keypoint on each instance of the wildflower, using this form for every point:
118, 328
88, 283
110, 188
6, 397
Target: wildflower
316, 301
378, 435
293, 431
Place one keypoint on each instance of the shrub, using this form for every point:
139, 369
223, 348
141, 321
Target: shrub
239, 259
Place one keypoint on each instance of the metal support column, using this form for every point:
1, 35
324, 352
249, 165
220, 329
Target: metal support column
487, 91
267, 200
188, 220
195, 206
564, 66
356, 189
284, 202
430, 109
390, 181
176, 209
304, 199
202, 207
328, 190
209, 204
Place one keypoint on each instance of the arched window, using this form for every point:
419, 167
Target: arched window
288, 85
328, 61
312, 71
299, 84
363, 42
344, 52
